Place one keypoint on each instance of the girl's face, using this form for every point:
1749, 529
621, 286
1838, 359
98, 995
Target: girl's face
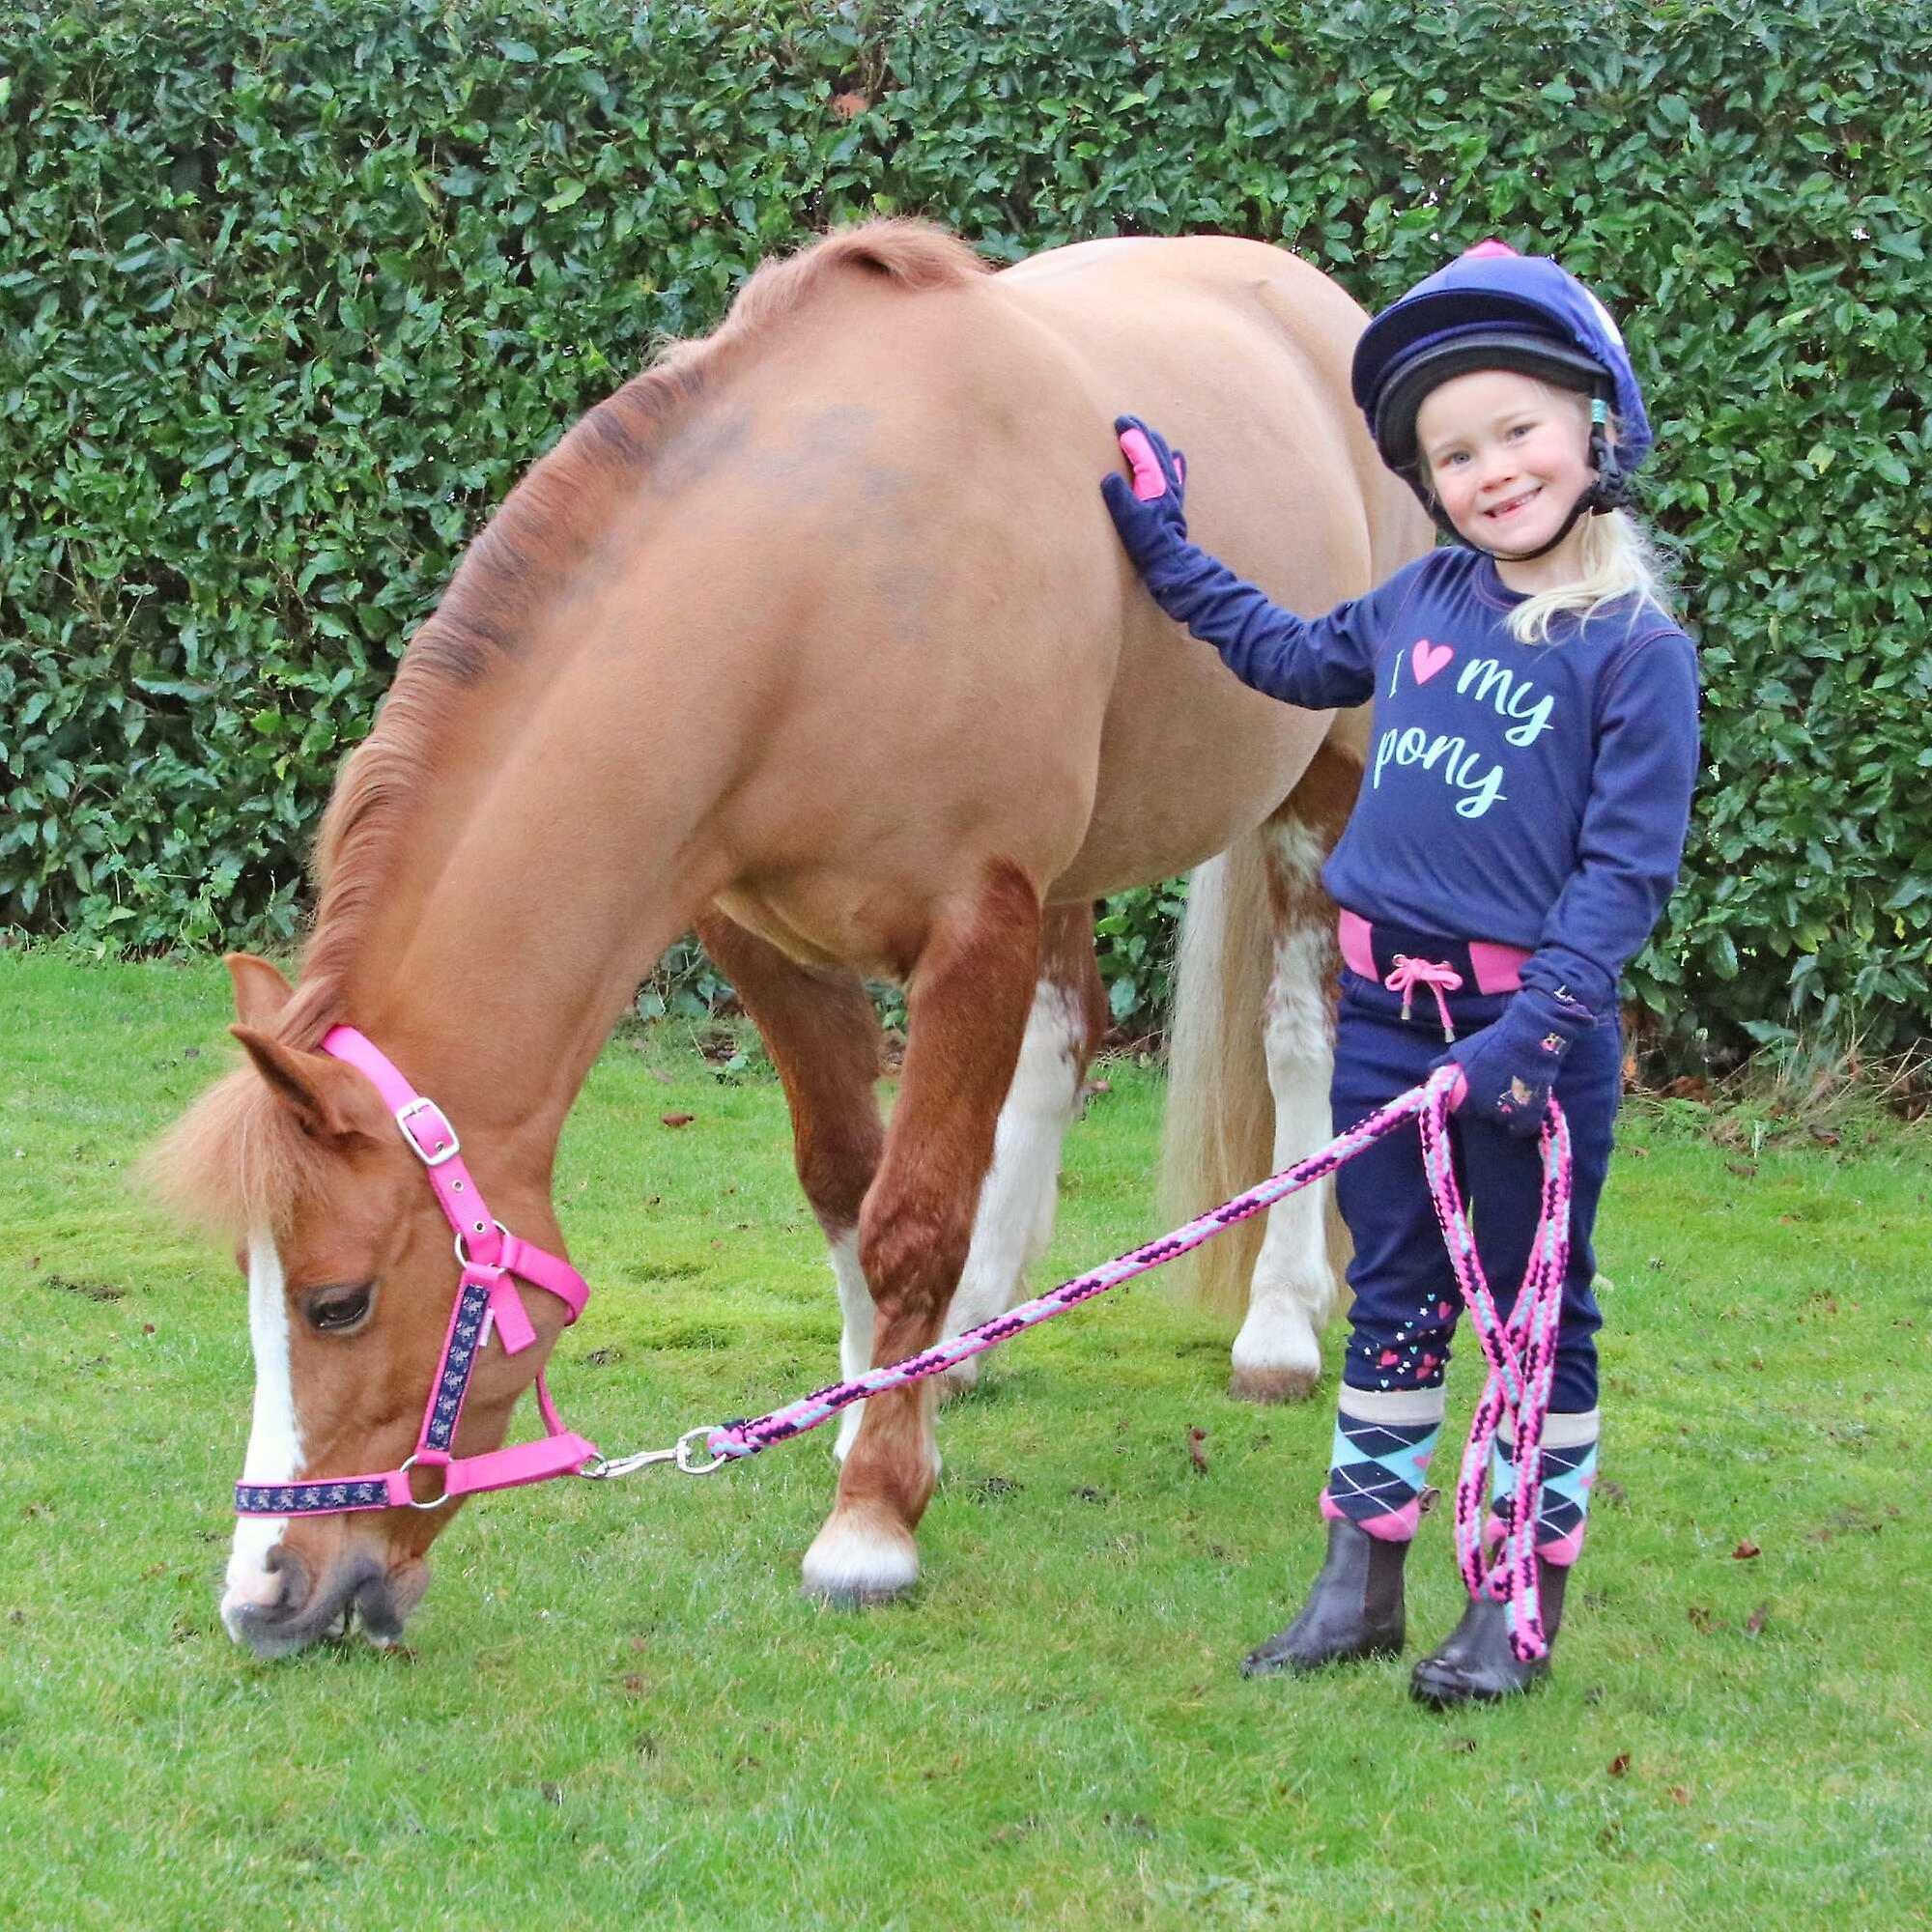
1508, 456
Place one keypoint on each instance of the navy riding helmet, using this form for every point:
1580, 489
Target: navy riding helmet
1492, 308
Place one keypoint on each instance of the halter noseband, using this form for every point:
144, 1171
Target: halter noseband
493, 1260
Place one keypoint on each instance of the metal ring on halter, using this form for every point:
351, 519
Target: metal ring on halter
463, 1258
434, 1502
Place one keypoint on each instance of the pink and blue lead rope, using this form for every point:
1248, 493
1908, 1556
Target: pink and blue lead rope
1521, 1353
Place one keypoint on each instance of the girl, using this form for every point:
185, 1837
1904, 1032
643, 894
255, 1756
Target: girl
1519, 830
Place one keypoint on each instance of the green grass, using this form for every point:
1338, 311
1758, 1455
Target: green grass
618, 1710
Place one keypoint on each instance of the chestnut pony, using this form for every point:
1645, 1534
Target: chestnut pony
816, 636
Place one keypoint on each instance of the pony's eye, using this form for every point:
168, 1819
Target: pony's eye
333, 1310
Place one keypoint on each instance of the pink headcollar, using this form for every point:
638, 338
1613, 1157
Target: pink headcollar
493, 1260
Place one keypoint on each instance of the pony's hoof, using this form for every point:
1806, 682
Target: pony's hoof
962, 1378
1273, 1384
1276, 1356
857, 1561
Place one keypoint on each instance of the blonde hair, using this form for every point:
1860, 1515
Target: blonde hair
1620, 558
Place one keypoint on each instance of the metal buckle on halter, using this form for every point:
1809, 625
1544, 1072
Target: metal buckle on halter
421, 1104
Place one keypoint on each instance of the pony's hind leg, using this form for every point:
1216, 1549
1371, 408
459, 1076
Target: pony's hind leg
966, 1009
1014, 1222
1277, 1355
823, 1036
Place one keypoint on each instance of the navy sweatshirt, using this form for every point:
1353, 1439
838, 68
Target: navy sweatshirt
1534, 794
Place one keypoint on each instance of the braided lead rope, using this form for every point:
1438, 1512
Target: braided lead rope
1517, 1585
1547, 1311
1520, 1355
738, 1440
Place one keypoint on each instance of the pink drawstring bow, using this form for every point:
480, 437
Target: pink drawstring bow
1410, 973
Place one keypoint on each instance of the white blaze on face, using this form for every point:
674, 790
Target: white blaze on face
274, 1441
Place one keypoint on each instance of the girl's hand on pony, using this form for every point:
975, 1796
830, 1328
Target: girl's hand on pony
1148, 512
1508, 1068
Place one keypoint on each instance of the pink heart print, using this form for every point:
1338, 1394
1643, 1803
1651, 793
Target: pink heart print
1428, 658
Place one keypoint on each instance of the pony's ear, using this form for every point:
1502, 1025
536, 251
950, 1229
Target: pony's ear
328, 1098
260, 990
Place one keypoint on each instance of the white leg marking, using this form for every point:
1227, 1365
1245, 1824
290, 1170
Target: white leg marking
855, 1338
852, 1559
275, 1438
1293, 1288
1014, 1221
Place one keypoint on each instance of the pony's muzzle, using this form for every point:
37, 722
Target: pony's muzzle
299, 1611
272, 1616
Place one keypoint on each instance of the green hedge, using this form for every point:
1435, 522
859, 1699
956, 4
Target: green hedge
291, 294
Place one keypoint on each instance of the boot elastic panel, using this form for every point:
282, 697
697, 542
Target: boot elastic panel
1355, 1609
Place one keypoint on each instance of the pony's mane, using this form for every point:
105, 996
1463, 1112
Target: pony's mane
545, 522
238, 1158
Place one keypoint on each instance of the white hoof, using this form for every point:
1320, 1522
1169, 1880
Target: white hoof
861, 1557
1267, 1385
1276, 1357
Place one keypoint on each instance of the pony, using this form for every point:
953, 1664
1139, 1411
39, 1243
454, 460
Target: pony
815, 637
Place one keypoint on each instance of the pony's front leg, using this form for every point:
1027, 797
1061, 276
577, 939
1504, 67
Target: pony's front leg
1014, 1223
966, 1010
824, 1040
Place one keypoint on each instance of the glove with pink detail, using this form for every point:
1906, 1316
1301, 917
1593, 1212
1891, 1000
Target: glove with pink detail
1509, 1067
1148, 512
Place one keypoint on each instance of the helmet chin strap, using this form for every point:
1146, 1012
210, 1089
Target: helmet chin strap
1608, 490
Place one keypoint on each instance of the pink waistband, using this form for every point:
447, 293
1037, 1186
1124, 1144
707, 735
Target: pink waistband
1497, 968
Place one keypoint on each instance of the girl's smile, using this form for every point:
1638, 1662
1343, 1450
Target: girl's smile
1510, 507
1508, 456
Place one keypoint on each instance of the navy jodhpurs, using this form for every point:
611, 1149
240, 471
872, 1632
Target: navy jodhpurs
1406, 1297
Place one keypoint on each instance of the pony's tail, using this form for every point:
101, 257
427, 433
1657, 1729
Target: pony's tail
1218, 1136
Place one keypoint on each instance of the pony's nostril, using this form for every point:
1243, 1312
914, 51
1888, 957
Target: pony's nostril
291, 1574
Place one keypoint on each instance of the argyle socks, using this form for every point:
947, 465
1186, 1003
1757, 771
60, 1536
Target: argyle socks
1383, 1440
1569, 1469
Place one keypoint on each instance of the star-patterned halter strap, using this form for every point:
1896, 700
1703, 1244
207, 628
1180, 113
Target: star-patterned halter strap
493, 1260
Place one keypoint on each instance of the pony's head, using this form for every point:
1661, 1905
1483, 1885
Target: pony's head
352, 1276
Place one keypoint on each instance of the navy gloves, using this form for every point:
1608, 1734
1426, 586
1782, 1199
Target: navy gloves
1147, 512
1509, 1067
